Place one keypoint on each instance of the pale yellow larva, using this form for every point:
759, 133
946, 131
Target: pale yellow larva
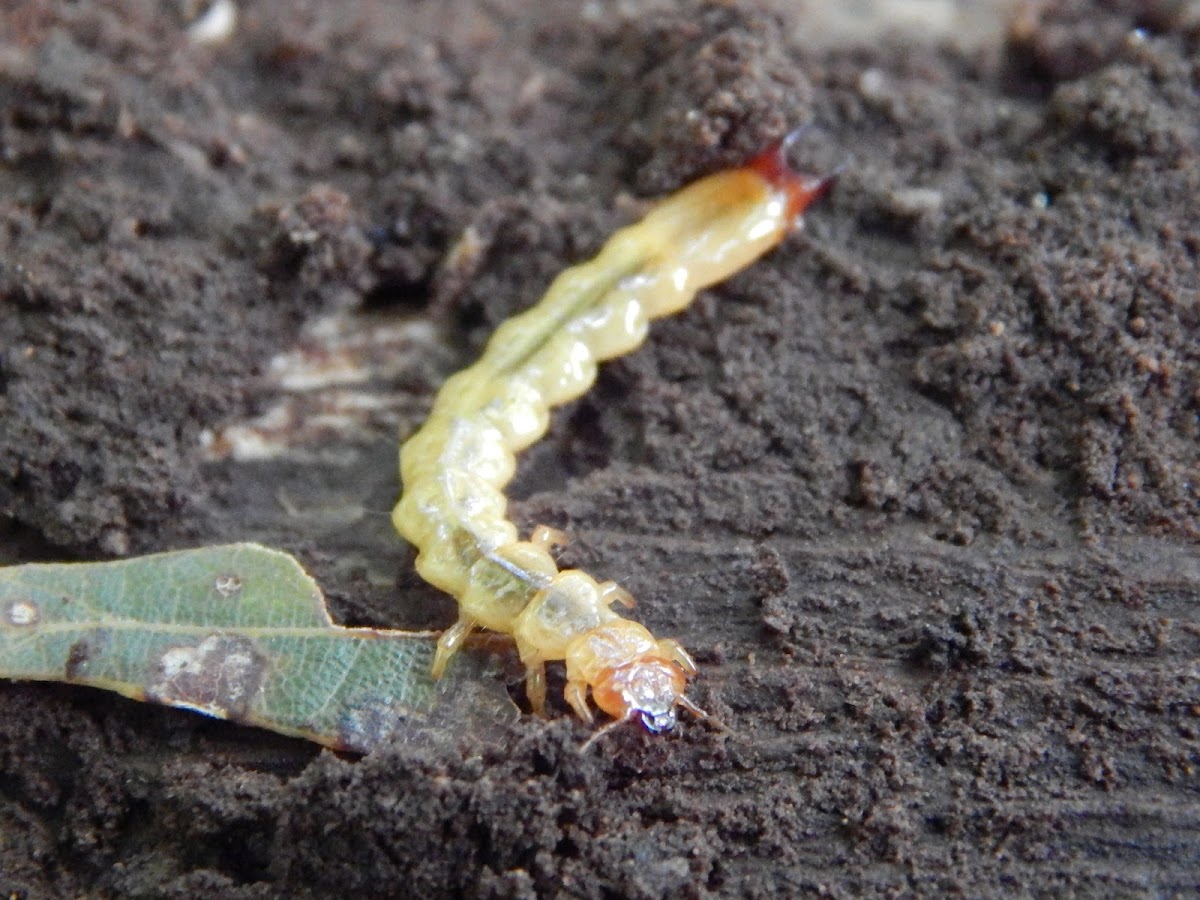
455, 467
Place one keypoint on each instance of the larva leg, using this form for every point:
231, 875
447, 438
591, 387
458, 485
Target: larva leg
576, 694
451, 641
611, 592
547, 537
535, 687
674, 651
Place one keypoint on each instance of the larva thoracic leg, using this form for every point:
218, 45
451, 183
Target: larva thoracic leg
546, 536
455, 467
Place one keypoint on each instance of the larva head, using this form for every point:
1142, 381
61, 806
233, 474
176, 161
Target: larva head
631, 675
649, 688
801, 190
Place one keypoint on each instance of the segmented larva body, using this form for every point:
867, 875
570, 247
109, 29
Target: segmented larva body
456, 466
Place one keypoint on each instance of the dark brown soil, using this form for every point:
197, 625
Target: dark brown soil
921, 490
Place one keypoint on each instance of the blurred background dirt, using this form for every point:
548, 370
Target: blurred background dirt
921, 490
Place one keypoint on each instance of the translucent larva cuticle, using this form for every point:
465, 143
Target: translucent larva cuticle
455, 467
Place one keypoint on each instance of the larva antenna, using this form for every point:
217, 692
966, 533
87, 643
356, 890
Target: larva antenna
802, 189
789, 140
632, 714
700, 714
600, 732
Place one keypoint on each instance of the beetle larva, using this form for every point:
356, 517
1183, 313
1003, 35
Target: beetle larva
455, 467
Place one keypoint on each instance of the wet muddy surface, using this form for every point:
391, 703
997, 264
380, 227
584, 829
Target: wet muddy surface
920, 490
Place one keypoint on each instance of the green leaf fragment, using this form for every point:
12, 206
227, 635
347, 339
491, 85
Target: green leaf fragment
239, 632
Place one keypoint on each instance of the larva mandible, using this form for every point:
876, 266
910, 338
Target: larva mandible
455, 467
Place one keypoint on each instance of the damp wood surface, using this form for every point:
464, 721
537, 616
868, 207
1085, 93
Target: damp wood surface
918, 490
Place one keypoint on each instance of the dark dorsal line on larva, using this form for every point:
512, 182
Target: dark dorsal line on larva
456, 466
